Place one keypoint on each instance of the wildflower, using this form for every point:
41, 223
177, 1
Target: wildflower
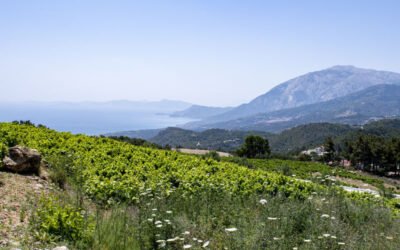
159, 226
153, 215
389, 237
169, 212
158, 222
333, 217
186, 233
172, 240
187, 246
206, 244
272, 218
341, 243
277, 238
150, 219
295, 248
325, 216
333, 237
263, 201
232, 229
154, 209
307, 240
326, 235
199, 241
194, 239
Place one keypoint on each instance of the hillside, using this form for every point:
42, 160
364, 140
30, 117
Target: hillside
200, 112
373, 103
314, 87
124, 197
291, 140
226, 140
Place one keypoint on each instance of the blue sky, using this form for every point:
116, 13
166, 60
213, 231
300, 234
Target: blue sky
204, 52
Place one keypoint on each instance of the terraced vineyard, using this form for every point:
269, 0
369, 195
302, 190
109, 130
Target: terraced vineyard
210, 199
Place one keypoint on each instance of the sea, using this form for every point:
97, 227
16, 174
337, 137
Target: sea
92, 122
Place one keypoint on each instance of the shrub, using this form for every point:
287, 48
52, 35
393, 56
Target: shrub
53, 221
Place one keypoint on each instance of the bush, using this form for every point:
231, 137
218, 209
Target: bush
3, 152
59, 168
212, 154
53, 221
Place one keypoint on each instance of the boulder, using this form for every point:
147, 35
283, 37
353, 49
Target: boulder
22, 160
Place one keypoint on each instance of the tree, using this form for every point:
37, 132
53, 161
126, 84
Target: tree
254, 147
329, 147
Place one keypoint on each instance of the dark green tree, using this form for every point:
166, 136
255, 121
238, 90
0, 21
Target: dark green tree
254, 147
329, 147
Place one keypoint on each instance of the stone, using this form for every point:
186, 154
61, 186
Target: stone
61, 248
22, 160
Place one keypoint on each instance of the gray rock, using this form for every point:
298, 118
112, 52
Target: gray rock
22, 160
61, 248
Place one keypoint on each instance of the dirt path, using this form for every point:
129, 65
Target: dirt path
200, 151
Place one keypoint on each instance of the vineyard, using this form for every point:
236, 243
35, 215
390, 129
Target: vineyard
206, 196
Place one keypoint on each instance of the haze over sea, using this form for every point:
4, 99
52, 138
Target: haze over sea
96, 119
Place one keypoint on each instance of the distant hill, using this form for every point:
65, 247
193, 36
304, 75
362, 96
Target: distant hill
292, 140
374, 103
303, 136
201, 112
314, 87
141, 134
225, 140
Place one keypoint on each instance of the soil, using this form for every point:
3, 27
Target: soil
17, 192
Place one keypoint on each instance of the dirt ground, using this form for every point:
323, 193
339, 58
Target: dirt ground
200, 151
16, 193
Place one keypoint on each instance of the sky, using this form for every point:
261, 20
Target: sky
208, 52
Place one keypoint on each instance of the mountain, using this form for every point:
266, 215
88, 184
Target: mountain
201, 112
374, 103
217, 139
307, 89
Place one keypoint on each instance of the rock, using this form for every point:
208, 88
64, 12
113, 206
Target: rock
43, 173
61, 248
22, 160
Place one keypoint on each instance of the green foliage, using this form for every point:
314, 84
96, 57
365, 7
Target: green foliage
213, 155
254, 147
329, 147
60, 168
373, 153
110, 171
174, 221
3, 152
214, 139
138, 142
54, 221
305, 170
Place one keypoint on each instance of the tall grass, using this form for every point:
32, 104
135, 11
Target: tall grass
321, 222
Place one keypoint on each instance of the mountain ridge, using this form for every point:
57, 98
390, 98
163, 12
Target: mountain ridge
376, 102
313, 87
